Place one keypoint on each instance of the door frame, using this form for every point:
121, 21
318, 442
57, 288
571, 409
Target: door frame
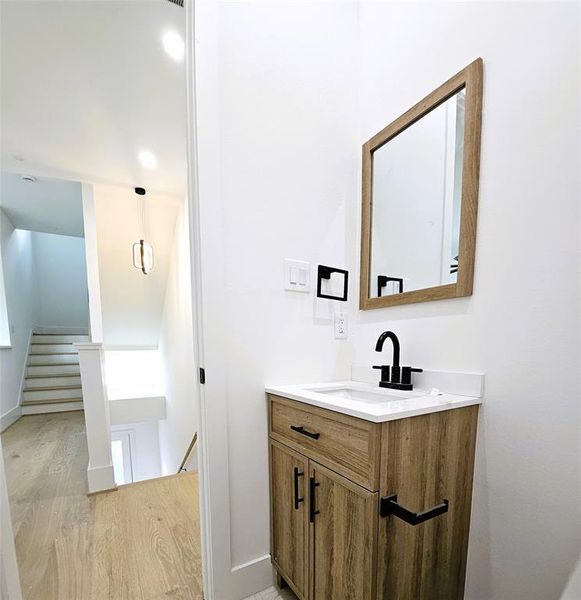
126, 437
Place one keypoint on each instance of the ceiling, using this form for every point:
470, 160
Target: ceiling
47, 205
87, 85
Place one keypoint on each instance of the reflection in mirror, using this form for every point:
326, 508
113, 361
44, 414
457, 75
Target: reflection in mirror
417, 193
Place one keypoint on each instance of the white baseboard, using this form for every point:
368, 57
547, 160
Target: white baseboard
41, 409
65, 330
10, 417
253, 576
101, 478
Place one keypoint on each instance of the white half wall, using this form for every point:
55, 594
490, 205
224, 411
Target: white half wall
18, 266
176, 351
521, 326
61, 282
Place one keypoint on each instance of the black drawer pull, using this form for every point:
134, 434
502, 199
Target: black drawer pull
302, 430
389, 506
312, 486
297, 499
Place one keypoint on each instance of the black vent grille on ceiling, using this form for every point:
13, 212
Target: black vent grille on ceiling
178, 2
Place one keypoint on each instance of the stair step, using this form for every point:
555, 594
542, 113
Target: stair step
52, 348
53, 359
41, 409
53, 370
50, 376
53, 387
53, 394
43, 383
53, 401
57, 338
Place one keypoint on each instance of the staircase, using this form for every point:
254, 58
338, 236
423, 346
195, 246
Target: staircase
53, 378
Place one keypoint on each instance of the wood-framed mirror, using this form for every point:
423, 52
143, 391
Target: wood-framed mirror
420, 198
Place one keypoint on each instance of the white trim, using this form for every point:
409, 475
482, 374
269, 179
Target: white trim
100, 478
92, 263
193, 212
127, 439
24, 368
9, 417
221, 579
88, 345
252, 576
252, 563
9, 580
115, 348
62, 329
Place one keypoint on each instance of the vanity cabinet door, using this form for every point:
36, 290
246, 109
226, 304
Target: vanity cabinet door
289, 515
426, 460
343, 534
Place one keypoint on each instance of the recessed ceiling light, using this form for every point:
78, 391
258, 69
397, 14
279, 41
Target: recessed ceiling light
147, 159
174, 45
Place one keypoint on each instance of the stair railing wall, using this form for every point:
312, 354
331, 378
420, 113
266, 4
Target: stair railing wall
100, 474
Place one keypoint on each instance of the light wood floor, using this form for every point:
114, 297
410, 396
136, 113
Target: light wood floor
141, 542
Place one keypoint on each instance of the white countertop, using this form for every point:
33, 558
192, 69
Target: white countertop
397, 404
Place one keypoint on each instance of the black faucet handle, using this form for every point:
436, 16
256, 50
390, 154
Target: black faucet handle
384, 371
406, 374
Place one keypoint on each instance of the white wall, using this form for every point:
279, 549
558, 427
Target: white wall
133, 373
282, 112
132, 303
17, 262
61, 281
176, 351
521, 326
278, 159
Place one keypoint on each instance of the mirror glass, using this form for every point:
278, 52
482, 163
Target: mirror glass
416, 192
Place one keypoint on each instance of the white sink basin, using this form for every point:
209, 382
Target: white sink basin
370, 402
371, 396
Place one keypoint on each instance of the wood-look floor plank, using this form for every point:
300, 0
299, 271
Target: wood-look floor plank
141, 542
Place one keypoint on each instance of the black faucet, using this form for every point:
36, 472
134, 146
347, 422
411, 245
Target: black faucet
401, 377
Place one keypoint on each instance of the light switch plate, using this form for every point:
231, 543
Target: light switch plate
297, 275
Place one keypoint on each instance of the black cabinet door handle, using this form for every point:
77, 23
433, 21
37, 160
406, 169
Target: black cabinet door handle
297, 500
389, 506
302, 430
312, 486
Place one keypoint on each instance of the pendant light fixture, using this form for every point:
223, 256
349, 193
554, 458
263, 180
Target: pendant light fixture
142, 251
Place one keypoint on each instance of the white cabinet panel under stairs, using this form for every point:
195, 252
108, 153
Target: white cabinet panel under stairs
53, 381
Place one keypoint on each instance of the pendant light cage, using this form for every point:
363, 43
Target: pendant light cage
142, 250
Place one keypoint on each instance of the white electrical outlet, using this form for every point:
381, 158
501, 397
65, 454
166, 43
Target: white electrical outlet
340, 326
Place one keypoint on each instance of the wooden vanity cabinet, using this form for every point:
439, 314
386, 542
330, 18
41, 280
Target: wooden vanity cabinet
289, 471
334, 480
343, 537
